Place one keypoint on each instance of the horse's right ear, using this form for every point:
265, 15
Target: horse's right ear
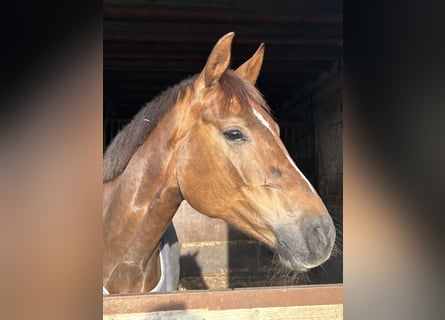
217, 62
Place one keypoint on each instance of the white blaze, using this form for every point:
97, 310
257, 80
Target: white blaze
298, 170
267, 125
263, 120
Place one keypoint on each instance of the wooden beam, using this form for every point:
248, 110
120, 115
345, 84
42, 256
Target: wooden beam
214, 16
259, 30
314, 295
169, 76
284, 7
331, 312
203, 49
118, 36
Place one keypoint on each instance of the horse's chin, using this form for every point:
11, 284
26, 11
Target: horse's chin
290, 261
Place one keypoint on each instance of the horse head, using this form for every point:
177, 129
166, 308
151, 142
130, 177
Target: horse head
232, 164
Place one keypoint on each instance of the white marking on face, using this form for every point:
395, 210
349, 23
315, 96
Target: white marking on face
263, 120
267, 125
301, 174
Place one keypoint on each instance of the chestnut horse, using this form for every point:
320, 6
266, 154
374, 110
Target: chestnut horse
210, 140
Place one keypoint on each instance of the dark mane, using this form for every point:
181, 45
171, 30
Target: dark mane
128, 140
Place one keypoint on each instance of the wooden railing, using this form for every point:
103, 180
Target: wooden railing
296, 302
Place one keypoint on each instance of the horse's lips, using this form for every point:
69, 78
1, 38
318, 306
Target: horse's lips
289, 259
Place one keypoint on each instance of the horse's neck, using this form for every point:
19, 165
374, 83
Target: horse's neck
139, 204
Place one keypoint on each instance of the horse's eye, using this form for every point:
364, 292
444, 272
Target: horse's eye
234, 135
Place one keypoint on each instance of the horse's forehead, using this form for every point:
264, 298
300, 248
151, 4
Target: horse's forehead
262, 119
254, 115
242, 108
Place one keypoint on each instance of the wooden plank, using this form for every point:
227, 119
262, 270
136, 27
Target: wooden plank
215, 16
192, 38
239, 50
302, 6
319, 312
243, 30
314, 295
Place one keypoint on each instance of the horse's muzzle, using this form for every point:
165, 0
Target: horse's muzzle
306, 243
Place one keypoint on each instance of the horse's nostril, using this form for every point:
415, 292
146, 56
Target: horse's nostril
317, 239
316, 234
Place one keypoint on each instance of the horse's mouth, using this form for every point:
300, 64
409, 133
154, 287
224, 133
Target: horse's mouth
301, 262
289, 259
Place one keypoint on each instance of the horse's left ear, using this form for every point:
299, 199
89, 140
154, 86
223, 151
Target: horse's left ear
217, 62
250, 69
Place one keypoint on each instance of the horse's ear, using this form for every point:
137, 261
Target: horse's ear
217, 62
250, 69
